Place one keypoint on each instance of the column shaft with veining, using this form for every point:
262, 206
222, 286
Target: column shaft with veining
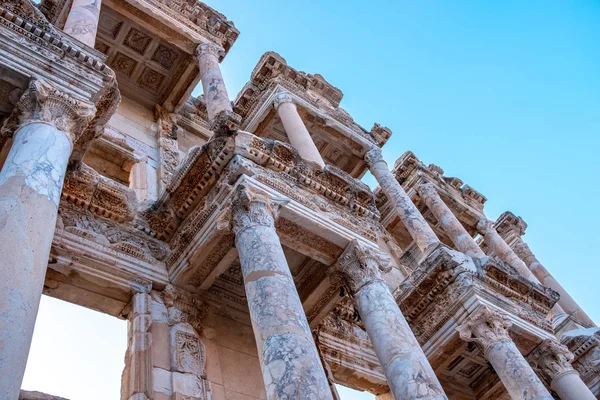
295, 129
489, 330
82, 21
288, 355
407, 370
415, 223
30, 186
449, 223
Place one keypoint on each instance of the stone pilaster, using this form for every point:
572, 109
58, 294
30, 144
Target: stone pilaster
289, 359
552, 361
47, 122
511, 228
407, 370
295, 129
502, 250
450, 224
221, 117
82, 21
168, 150
417, 226
489, 330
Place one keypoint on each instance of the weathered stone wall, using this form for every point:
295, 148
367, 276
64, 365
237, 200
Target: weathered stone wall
136, 121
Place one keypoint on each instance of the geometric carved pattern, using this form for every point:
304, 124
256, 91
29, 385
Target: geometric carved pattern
150, 79
123, 64
164, 56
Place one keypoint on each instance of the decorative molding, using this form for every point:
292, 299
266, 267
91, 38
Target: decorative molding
550, 360
485, 327
360, 265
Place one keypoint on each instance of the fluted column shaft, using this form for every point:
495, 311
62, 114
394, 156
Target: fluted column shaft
552, 362
499, 247
407, 370
449, 223
489, 329
289, 359
30, 186
295, 129
415, 223
82, 21
566, 302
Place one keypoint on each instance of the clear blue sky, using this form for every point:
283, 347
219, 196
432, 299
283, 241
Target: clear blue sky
504, 95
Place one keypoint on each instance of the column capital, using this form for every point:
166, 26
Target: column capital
374, 155
551, 359
360, 265
209, 49
427, 190
249, 208
510, 222
485, 226
282, 97
43, 102
485, 327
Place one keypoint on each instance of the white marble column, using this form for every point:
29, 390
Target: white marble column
82, 21
218, 106
449, 223
295, 129
502, 250
489, 329
31, 180
417, 226
552, 361
288, 355
566, 302
407, 370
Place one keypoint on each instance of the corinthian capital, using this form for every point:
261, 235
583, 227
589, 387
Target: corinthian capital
427, 190
551, 359
359, 265
42, 102
485, 226
374, 155
209, 49
282, 97
485, 327
252, 209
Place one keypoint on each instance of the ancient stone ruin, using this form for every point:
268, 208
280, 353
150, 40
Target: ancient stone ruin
236, 237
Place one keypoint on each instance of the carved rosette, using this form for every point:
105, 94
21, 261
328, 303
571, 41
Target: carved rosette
485, 327
42, 102
251, 209
374, 155
360, 265
282, 97
551, 359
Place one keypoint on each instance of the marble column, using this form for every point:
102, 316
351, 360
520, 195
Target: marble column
407, 370
566, 302
417, 226
82, 21
295, 129
552, 361
221, 117
449, 223
288, 355
46, 122
502, 250
489, 330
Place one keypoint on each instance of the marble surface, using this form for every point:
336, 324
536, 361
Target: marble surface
289, 359
82, 21
412, 219
213, 85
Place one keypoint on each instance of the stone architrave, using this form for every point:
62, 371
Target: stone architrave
30, 187
449, 223
82, 21
221, 117
499, 247
417, 226
289, 359
489, 330
552, 361
407, 370
295, 129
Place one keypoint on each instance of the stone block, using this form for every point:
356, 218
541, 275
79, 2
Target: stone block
241, 372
